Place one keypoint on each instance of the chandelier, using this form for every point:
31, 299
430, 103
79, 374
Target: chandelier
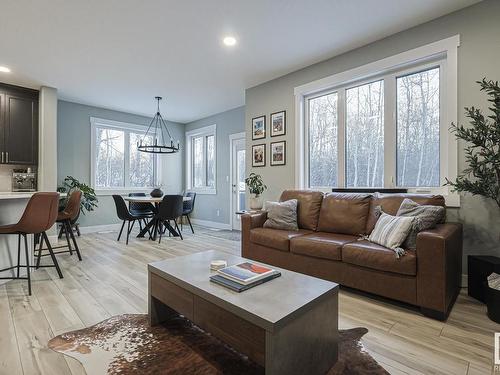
157, 139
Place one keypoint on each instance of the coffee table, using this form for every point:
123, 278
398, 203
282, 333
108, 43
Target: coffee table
289, 325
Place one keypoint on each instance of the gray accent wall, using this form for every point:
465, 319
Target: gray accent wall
73, 156
478, 57
206, 206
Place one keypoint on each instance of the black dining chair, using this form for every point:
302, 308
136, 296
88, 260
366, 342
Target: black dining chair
169, 210
141, 208
187, 208
125, 215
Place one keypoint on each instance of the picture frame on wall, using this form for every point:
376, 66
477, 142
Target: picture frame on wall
278, 123
278, 153
259, 127
259, 155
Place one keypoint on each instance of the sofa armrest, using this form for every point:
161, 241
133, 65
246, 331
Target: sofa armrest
248, 222
253, 220
439, 267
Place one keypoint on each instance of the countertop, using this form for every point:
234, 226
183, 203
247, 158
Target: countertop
15, 195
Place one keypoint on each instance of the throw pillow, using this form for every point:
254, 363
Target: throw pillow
282, 215
391, 231
427, 217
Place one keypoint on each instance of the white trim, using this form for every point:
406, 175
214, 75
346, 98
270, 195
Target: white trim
100, 228
203, 131
122, 191
442, 53
465, 280
126, 127
211, 224
232, 137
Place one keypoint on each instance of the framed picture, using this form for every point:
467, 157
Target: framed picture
278, 123
259, 127
278, 153
259, 155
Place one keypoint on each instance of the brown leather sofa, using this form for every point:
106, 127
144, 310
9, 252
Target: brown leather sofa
327, 245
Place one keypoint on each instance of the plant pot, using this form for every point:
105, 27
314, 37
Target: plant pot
156, 193
255, 202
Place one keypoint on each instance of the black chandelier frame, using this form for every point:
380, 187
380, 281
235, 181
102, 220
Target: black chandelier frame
157, 129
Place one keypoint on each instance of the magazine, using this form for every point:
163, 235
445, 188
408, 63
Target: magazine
246, 272
237, 287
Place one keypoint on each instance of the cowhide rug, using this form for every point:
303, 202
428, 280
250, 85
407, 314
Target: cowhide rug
127, 345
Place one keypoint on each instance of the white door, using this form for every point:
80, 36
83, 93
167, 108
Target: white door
237, 179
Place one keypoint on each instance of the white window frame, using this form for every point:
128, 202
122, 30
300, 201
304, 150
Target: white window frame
442, 53
201, 132
127, 128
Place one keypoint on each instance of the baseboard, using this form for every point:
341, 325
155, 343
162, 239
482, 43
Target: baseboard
211, 224
100, 228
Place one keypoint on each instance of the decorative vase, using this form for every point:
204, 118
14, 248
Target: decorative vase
255, 202
156, 193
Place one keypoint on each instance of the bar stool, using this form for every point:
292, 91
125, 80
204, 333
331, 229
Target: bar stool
39, 215
65, 217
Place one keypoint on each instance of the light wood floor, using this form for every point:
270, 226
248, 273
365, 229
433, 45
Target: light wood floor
112, 280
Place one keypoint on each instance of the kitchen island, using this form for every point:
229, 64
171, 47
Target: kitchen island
12, 205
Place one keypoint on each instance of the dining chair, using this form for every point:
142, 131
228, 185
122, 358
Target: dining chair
170, 209
125, 215
39, 215
141, 208
187, 208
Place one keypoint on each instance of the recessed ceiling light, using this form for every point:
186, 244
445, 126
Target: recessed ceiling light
229, 41
4, 69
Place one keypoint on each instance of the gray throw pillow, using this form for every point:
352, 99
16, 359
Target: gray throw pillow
281, 215
426, 217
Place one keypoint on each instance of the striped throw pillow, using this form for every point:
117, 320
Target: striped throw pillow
391, 231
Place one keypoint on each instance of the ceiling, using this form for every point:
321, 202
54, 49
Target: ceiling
119, 54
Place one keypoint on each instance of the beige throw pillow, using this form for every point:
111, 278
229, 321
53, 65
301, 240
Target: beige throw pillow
391, 231
281, 215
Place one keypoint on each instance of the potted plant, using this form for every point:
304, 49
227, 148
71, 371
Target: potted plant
482, 155
89, 198
256, 187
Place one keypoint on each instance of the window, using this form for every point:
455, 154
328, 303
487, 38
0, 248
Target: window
116, 162
323, 129
385, 124
201, 160
418, 129
365, 135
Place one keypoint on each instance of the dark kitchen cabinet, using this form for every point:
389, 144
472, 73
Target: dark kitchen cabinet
18, 125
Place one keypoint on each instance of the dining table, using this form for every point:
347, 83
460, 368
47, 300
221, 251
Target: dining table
154, 225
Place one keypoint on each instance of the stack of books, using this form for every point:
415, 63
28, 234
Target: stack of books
244, 276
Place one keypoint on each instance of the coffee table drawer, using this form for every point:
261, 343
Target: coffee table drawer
230, 328
172, 295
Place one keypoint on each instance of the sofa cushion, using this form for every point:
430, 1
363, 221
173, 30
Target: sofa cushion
390, 203
275, 238
309, 204
370, 255
321, 245
344, 213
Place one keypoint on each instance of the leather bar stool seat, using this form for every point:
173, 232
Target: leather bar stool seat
65, 217
39, 215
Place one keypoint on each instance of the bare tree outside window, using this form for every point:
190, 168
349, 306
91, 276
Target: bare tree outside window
141, 163
418, 129
323, 139
198, 180
365, 135
211, 161
110, 158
